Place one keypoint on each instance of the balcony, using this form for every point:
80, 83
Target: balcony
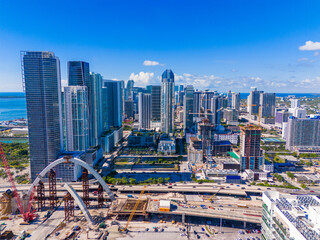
266, 208
280, 226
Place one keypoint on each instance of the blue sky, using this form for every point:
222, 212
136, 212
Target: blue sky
220, 45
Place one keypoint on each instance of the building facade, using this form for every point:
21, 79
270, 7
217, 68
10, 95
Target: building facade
236, 101
144, 111
302, 133
42, 84
75, 118
268, 105
155, 103
188, 108
167, 102
251, 156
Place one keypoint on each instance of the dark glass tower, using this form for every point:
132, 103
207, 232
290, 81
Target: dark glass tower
42, 83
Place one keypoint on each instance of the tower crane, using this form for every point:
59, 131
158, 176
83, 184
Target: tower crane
27, 215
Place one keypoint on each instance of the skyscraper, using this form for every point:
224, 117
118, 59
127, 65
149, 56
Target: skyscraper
216, 108
295, 103
167, 102
129, 89
206, 99
112, 106
78, 73
144, 110
303, 133
95, 117
197, 103
75, 118
268, 104
42, 84
250, 152
229, 98
236, 101
253, 101
155, 103
188, 108
128, 109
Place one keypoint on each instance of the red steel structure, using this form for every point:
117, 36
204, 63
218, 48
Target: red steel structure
68, 207
41, 198
100, 196
85, 187
27, 216
52, 189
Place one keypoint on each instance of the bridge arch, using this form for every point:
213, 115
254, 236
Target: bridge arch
74, 160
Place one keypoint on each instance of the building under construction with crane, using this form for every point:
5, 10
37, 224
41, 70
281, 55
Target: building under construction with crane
251, 156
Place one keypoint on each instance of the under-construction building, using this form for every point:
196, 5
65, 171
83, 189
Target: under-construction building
251, 156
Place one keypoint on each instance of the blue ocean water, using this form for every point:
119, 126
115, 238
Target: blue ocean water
12, 106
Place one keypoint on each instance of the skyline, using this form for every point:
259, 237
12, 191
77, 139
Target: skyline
220, 46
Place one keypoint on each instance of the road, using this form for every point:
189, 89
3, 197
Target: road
49, 225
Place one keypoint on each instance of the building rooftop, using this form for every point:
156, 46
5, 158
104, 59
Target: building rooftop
301, 213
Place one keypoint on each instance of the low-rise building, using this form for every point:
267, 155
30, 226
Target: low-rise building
141, 139
164, 205
167, 146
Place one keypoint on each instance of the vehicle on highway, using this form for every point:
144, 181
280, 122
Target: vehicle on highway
202, 229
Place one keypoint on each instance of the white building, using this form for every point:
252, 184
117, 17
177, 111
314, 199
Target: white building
287, 216
298, 112
295, 103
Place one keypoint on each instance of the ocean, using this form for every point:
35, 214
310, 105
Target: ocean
13, 104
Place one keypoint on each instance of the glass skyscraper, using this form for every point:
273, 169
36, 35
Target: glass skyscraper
42, 84
188, 108
112, 104
75, 118
167, 102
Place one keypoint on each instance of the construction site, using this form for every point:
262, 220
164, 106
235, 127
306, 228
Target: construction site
91, 209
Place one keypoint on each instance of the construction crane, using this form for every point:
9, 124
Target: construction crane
134, 209
210, 199
28, 215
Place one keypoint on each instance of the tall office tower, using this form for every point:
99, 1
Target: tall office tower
250, 153
42, 84
229, 97
290, 216
206, 99
144, 111
95, 117
268, 104
205, 129
197, 103
129, 90
112, 106
303, 133
236, 101
155, 103
167, 102
253, 101
128, 109
216, 109
78, 73
188, 108
75, 118
295, 103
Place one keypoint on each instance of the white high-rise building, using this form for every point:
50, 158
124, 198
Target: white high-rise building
286, 216
295, 103
144, 106
298, 112
167, 102
75, 118
236, 101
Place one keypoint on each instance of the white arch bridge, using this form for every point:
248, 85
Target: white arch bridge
83, 164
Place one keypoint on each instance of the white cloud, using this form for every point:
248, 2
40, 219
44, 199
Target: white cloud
316, 54
142, 79
310, 46
303, 59
151, 63
310, 83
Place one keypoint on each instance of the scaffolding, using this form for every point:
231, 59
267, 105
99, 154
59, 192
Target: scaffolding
100, 196
52, 189
68, 207
85, 187
41, 198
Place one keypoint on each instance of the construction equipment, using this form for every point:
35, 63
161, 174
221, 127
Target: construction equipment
27, 216
210, 199
134, 209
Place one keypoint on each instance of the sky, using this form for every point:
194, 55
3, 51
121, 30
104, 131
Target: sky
219, 45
